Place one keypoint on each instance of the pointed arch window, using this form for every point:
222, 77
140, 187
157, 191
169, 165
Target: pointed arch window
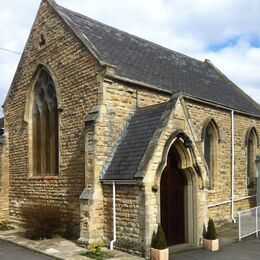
45, 127
251, 144
211, 137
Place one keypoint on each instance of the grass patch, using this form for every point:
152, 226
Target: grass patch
98, 255
5, 225
95, 252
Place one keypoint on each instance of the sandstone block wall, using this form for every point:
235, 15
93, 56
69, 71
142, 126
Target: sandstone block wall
4, 180
120, 100
74, 73
222, 191
129, 226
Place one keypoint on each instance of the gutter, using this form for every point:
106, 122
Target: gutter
114, 217
232, 167
126, 182
187, 96
208, 102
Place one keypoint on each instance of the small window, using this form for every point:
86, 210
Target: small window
251, 157
45, 127
42, 40
210, 151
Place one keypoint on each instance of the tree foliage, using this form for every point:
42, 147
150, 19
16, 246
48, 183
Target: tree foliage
159, 240
211, 231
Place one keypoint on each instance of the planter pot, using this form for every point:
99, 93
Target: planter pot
211, 245
157, 254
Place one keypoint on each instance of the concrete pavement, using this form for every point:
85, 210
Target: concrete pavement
57, 247
9, 251
248, 248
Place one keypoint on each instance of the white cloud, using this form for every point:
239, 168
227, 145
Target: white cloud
187, 26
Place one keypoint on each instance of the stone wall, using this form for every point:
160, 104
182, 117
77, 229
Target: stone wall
102, 136
4, 179
73, 70
222, 191
129, 222
198, 114
120, 100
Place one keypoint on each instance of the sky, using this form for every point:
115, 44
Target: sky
225, 32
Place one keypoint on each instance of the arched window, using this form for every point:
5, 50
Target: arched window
210, 137
45, 127
251, 143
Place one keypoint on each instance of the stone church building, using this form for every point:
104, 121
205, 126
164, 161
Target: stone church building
94, 113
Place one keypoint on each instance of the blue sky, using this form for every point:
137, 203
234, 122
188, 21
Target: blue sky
226, 32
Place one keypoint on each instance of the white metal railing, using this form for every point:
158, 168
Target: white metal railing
248, 222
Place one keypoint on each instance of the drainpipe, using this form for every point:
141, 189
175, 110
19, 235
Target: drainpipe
232, 166
114, 217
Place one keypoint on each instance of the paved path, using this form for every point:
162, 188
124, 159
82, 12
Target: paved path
57, 247
9, 251
245, 250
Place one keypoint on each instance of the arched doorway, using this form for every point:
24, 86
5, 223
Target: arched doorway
172, 189
178, 196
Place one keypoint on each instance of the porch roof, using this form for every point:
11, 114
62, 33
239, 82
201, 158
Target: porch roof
135, 142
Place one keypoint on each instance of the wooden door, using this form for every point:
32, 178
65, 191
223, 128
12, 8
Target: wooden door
172, 203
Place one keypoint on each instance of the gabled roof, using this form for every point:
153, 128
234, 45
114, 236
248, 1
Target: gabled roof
147, 63
131, 149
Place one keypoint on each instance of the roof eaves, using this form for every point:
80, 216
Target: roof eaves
218, 105
233, 85
140, 83
188, 96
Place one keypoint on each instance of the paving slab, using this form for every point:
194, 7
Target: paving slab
57, 247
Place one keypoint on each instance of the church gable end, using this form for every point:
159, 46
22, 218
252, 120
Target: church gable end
51, 46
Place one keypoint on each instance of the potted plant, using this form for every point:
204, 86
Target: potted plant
159, 250
210, 241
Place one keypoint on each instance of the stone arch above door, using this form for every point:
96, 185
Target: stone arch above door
187, 156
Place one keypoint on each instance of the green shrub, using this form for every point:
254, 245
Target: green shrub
41, 220
159, 240
211, 231
5, 225
95, 252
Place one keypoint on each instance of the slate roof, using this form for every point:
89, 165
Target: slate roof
2, 122
132, 147
145, 62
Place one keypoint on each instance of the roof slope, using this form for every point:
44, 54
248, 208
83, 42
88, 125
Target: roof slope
139, 60
2, 122
132, 147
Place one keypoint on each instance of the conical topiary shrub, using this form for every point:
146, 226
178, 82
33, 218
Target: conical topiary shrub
211, 231
159, 240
